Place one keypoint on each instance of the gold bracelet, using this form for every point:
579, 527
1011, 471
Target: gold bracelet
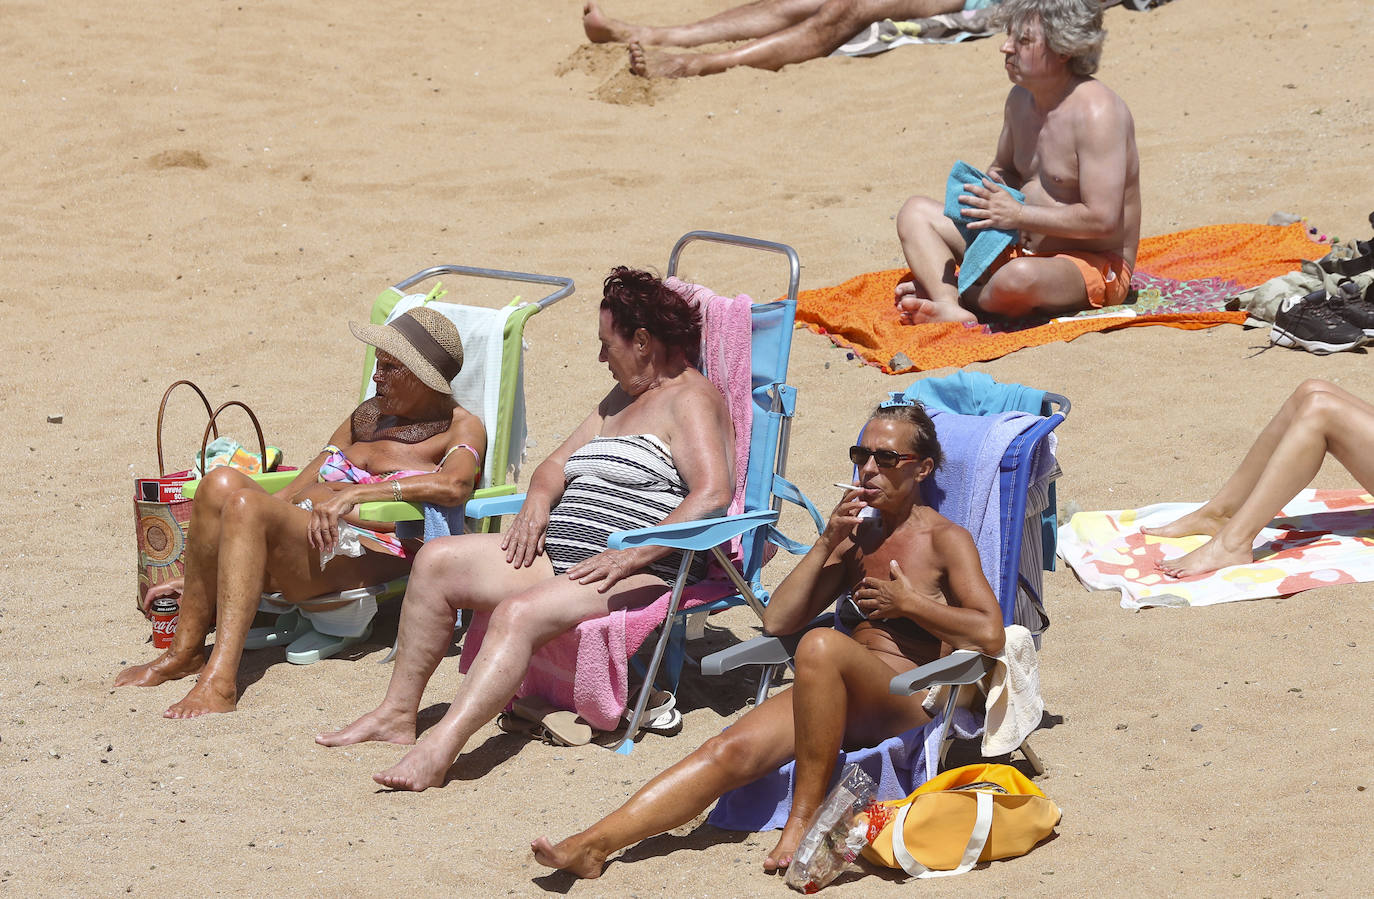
396, 490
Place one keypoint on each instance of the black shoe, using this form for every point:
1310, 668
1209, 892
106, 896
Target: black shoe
1358, 311
1310, 323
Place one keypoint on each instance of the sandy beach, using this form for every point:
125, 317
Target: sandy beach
212, 191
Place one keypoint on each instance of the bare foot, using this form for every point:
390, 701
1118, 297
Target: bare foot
648, 64
580, 860
782, 853
1199, 521
206, 698
602, 29
1208, 557
423, 767
165, 667
378, 724
914, 310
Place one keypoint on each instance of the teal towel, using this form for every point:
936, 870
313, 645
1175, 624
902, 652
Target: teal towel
983, 246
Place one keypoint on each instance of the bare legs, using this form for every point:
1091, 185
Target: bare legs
933, 247
239, 535
1318, 418
529, 606
780, 32
840, 696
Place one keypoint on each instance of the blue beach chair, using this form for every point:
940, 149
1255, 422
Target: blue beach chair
771, 410
1025, 518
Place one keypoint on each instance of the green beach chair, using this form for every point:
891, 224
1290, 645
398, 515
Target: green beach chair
491, 386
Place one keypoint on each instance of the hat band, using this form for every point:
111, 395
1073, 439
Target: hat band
425, 344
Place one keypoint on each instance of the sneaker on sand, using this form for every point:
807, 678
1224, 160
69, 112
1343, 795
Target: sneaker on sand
1310, 323
1349, 305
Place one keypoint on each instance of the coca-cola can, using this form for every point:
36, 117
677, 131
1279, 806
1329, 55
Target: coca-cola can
164, 612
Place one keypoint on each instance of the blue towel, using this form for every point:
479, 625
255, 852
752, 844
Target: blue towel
440, 521
983, 247
974, 393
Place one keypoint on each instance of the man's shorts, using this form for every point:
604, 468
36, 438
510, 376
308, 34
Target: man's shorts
1106, 276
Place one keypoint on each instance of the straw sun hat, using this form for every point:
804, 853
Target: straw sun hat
423, 340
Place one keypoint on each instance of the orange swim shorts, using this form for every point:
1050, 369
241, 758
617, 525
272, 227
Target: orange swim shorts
1106, 276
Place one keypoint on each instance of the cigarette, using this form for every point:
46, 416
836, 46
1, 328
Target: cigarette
843, 486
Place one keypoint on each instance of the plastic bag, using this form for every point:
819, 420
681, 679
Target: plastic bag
837, 834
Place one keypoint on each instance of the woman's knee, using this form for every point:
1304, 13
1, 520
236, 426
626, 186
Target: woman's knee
735, 749
1320, 403
820, 650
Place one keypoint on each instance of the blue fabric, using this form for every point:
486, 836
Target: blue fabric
983, 247
975, 393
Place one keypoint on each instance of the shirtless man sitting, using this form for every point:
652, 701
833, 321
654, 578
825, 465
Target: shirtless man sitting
779, 32
916, 587
1067, 142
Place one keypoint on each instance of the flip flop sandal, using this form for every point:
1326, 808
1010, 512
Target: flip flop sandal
559, 727
511, 723
662, 715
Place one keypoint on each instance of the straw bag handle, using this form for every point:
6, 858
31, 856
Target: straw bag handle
210, 425
162, 408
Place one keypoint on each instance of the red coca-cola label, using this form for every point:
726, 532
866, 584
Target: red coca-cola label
164, 626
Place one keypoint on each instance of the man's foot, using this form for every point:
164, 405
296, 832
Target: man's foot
602, 29
423, 767
165, 667
782, 853
1208, 557
575, 858
914, 310
378, 724
648, 64
205, 698
1199, 521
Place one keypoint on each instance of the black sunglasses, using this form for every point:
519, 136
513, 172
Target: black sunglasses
860, 455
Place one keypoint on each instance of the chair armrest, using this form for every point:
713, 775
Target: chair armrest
963, 666
403, 511
763, 650
271, 481
698, 535
485, 506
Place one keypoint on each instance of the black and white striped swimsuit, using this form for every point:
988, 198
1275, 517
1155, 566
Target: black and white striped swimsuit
615, 484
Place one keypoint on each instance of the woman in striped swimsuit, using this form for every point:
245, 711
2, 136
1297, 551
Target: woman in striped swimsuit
410, 441
658, 448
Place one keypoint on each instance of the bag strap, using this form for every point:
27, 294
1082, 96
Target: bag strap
162, 407
210, 425
982, 826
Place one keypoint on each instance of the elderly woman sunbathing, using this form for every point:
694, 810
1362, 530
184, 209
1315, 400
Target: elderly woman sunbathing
1319, 418
411, 441
915, 584
657, 448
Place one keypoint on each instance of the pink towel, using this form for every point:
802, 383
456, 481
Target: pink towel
587, 668
725, 354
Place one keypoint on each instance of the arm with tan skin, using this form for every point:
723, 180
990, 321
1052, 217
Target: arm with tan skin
451, 485
956, 605
702, 443
818, 578
1102, 137
524, 540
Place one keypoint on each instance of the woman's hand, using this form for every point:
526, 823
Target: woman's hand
608, 567
338, 500
172, 588
892, 597
843, 519
524, 542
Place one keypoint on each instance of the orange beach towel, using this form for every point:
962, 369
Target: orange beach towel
859, 314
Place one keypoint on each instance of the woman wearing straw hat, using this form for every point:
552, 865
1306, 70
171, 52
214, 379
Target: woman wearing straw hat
411, 441
657, 448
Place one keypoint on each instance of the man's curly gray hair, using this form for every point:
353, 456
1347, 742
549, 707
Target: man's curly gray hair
1071, 27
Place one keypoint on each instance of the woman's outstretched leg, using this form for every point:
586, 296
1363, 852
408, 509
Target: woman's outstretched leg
1209, 518
1319, 418
753, 746
840, 698
740, 23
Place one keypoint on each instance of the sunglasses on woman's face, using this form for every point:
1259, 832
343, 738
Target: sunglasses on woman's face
860, 455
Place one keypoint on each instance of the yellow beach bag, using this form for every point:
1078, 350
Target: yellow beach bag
961, 817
